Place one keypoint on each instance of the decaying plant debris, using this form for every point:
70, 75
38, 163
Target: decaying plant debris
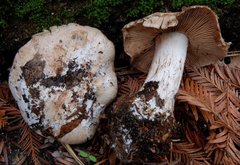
207, 110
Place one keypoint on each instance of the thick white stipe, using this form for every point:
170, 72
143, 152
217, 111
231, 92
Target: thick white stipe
166, 69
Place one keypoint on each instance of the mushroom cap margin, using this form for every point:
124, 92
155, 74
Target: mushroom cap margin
198, 23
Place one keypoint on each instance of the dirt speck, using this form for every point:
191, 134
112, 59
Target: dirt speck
69, 127
150, 91
33, 70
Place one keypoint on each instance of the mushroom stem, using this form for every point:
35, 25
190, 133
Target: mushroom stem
164, 77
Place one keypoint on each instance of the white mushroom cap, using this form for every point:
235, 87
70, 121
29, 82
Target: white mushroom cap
198, 23
63, 79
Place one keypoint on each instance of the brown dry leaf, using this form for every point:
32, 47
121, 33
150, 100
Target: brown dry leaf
190, 153
130, 85
72, 153
30, 142
3, 119
112, 158
231, 73
187, 93
5, 93
207, 78
194, 111
215, 91
7, 110
64, 161
2, 154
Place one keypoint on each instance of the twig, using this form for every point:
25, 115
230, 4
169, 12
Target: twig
72, 153
171, 153
233, 53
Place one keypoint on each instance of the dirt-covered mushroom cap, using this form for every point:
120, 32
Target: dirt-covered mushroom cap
198, 23
63, 79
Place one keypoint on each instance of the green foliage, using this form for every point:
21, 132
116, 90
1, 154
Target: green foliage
95, 12
99, 11
3, 23
30, 8
88, 156
217, 5
35, 11
102, 12
144, 7
67, 15
38, 12
5, 11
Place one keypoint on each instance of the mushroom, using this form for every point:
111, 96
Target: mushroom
63, 79
160, 45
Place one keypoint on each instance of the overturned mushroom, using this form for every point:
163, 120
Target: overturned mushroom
63, 79
159, 44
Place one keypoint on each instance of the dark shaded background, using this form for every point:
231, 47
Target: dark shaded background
20, 19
